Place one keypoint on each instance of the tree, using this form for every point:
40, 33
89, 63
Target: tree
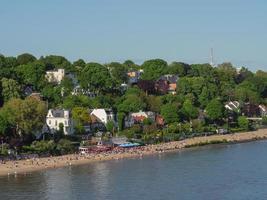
96, 77
264, 120
169, 113
79, 64
130, 64
110, 126
243, 122
52, 94
246, 94
65, 146
154, 103
181, 69
25, 59
214, 110
27, 116
81, 115
121, 116
153, 69
10, 89
53, 61
32, 74
118, 72
3, 125
66, 86
189, 110
131, 103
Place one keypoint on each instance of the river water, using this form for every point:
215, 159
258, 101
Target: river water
216, 172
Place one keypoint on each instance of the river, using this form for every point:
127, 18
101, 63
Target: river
214, 172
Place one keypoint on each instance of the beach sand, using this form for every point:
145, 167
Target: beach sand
30, 165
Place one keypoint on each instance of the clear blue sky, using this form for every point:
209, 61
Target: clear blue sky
116, 30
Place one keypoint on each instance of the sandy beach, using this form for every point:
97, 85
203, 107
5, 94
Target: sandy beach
35, 164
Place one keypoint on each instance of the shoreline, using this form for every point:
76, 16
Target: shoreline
40, 164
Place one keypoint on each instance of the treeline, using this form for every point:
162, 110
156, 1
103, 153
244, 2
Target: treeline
202, 91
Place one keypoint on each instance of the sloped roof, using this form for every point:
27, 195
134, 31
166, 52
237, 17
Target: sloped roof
170, 78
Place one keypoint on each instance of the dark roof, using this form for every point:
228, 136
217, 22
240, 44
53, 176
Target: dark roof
58, 113
169, 77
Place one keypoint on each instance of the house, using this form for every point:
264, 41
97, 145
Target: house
55, 76
36, 95
80, 91
138, 117
250, 110
96, 124
134, 76
263, 110
103, 115
167, 84
232, 106
28, 90
56, 117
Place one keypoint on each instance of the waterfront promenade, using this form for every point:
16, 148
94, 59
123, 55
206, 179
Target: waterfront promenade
26, 166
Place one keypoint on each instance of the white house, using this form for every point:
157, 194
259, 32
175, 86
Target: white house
55, 76
104, 115
77, 90
232, 105
55, 117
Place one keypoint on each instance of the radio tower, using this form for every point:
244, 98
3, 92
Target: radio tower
211, 58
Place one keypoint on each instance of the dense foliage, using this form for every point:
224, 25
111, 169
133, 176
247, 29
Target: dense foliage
198, 105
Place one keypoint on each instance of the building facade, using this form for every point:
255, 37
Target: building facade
55, 76
104, 115
56, 117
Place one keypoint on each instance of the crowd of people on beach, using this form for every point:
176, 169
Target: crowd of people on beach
35, 162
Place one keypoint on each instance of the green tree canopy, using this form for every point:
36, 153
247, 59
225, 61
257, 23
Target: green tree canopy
25, 59
27, 115
153, 69
96, 77
118, 72
215, 109
10, 89
170, 113
189, 110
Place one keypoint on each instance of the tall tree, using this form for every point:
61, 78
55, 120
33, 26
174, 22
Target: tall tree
215, 110
96, 77
118, 72
153, 69
189, 110
25, 59
10, 89
170, 113
29, 115
178, 68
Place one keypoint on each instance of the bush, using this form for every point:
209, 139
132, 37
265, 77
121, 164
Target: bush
243, 122
264, 120
65, 146
41, 147
4, 149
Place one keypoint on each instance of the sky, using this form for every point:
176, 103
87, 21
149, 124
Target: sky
117, 30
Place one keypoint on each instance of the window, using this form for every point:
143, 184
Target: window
49, 122
56, 123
